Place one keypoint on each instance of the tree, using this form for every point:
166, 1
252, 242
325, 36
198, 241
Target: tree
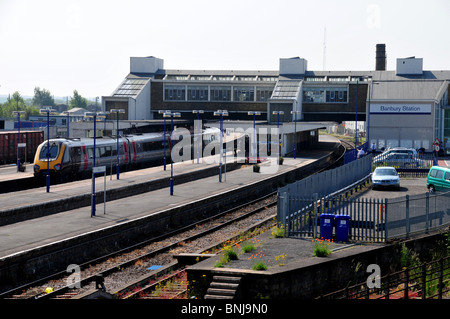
14, 103
77, 101
42, 98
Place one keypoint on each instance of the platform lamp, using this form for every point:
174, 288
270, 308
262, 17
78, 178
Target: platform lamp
117, 111
94, 115
221, 113
278, 127
295, 131
48, 111
165, 157
199, 134
67, 120
254, 113
171, 115
18, 113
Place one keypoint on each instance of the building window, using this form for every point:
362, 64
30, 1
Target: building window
174, 92
325, 95
263, 93
336, 95
314, 95
244, 94
220, 93
197, 93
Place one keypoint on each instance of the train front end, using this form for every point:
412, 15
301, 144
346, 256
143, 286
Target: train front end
49, 156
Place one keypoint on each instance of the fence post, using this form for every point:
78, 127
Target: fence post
407, 217
427, 211
441, 277
316, 214
424, 281
281, 209
386, 206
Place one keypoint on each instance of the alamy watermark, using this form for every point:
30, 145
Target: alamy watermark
374, 279
259, 142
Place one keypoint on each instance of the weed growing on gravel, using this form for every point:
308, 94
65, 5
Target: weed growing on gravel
248, 248
259, 266
321, 247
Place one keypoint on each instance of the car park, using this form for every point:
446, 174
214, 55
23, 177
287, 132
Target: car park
399, 160
438, 179
402, 150
385, 176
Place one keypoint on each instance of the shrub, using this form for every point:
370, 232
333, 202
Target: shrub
278, 232
259, 266
321, 247
230, 254
248, 248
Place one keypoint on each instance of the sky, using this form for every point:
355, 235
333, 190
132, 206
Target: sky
86, 45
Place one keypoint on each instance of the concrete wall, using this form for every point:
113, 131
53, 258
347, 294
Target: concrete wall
303, 280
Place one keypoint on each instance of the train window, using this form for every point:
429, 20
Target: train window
90, 153
53, 152
108, 151
66, 157
114, 152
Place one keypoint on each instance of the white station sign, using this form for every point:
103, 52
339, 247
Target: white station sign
394, 108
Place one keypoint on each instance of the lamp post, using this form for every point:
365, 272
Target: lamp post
221, 113
47, 111
295, 132
104, 124
171, 115
278, 127
67, 124
254, 113
18, 113
164, 112
199, 133
117, 111
356, 120
94, 115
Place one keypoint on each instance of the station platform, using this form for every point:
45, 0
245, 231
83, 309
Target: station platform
39, 246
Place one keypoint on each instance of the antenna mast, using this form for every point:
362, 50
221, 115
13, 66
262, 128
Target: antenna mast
324, 48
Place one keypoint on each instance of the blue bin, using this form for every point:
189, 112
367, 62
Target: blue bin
326, 226
342, 227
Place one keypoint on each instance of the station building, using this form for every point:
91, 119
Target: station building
407, 107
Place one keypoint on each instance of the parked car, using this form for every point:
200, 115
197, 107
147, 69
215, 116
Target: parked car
399, 160
438, 179
410, 151
385, 176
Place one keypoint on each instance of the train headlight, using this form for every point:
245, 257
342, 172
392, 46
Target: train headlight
57, 167
36, 168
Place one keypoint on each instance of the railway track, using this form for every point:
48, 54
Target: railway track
125, 266
137, 264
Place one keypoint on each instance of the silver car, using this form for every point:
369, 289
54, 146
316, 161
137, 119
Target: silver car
400, 160
385, 177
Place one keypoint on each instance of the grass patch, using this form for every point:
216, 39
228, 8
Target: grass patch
259, 266
248, 248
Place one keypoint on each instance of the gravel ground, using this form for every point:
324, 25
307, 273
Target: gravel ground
275, 252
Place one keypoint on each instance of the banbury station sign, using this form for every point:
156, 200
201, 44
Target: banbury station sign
400, 108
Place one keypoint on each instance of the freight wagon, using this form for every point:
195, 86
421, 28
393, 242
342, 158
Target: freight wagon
8, 145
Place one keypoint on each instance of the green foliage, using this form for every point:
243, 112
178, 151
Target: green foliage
248, 248
77, 101
408, 258
278, 232
321, 247
42, 98
259, 266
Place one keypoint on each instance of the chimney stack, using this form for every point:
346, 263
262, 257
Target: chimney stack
380, 60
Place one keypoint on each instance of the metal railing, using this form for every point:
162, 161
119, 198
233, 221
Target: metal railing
367, 216
427, 281
421, 213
